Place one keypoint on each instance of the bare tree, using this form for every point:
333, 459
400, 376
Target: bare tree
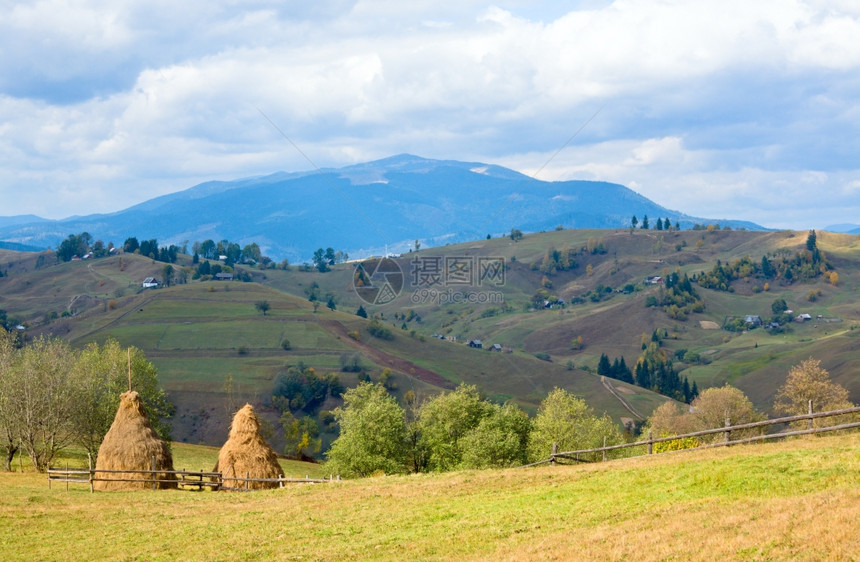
8, 433
41, 407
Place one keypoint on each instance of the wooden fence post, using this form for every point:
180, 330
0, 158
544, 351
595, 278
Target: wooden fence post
153, 472
809, 422
728, 431
650, 444
90, 467
604, 448
554, 451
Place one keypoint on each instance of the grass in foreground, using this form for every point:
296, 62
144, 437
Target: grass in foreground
796, 500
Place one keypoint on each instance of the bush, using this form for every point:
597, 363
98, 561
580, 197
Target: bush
378, 330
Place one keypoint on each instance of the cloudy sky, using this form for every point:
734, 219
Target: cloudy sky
720, 109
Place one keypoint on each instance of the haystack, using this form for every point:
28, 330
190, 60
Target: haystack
131, 444
246, 454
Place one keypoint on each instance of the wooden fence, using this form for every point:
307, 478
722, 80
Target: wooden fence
184, 479
726, 431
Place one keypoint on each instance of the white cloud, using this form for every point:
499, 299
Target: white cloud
707, 104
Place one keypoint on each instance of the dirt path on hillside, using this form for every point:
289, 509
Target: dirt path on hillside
386, 359
621, 399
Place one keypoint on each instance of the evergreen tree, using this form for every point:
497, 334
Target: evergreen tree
603, 366
643, 375
624, 372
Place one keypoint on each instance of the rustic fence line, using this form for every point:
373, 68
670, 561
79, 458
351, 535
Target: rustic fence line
183, 478
726, 430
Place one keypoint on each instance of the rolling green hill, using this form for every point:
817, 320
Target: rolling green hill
199, 333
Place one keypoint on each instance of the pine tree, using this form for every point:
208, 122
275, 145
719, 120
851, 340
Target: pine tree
643, 375
603, 366
624, 373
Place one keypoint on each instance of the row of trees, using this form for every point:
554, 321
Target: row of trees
677, 297
324, 259
801, 265
458, 429
52, 396
806, 382
654, 371
659, 225
555, 260
82, 244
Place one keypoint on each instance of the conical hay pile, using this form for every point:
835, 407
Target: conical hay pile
130, 444
246, 454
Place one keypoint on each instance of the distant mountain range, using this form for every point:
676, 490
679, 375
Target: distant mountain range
844, 228
364, 209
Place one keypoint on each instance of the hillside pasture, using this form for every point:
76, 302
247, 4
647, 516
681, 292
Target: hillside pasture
792, 500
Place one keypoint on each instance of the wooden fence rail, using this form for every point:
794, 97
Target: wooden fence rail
183, 478
727, 430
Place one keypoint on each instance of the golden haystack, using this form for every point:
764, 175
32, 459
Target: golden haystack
246, 454
131, 444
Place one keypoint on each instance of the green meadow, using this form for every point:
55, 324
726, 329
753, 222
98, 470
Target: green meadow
791, 500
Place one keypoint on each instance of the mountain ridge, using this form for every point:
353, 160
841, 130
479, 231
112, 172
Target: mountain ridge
363, 209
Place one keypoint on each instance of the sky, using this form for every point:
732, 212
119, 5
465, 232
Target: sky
721, 109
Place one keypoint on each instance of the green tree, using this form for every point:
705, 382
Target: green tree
516, 234
603, 365
811, 241
634, 222
499, 440
130, 245
302, 435
569, 422
645, 225
372, 434
778, 307
208, 249
262, 306
167, 274
446, 419
74, 245
251, 252
320, 261
102, 374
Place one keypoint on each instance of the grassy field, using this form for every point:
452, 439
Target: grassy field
793, 500
198, 334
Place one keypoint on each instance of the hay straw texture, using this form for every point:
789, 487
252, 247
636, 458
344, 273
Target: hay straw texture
246, 453
130, 444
